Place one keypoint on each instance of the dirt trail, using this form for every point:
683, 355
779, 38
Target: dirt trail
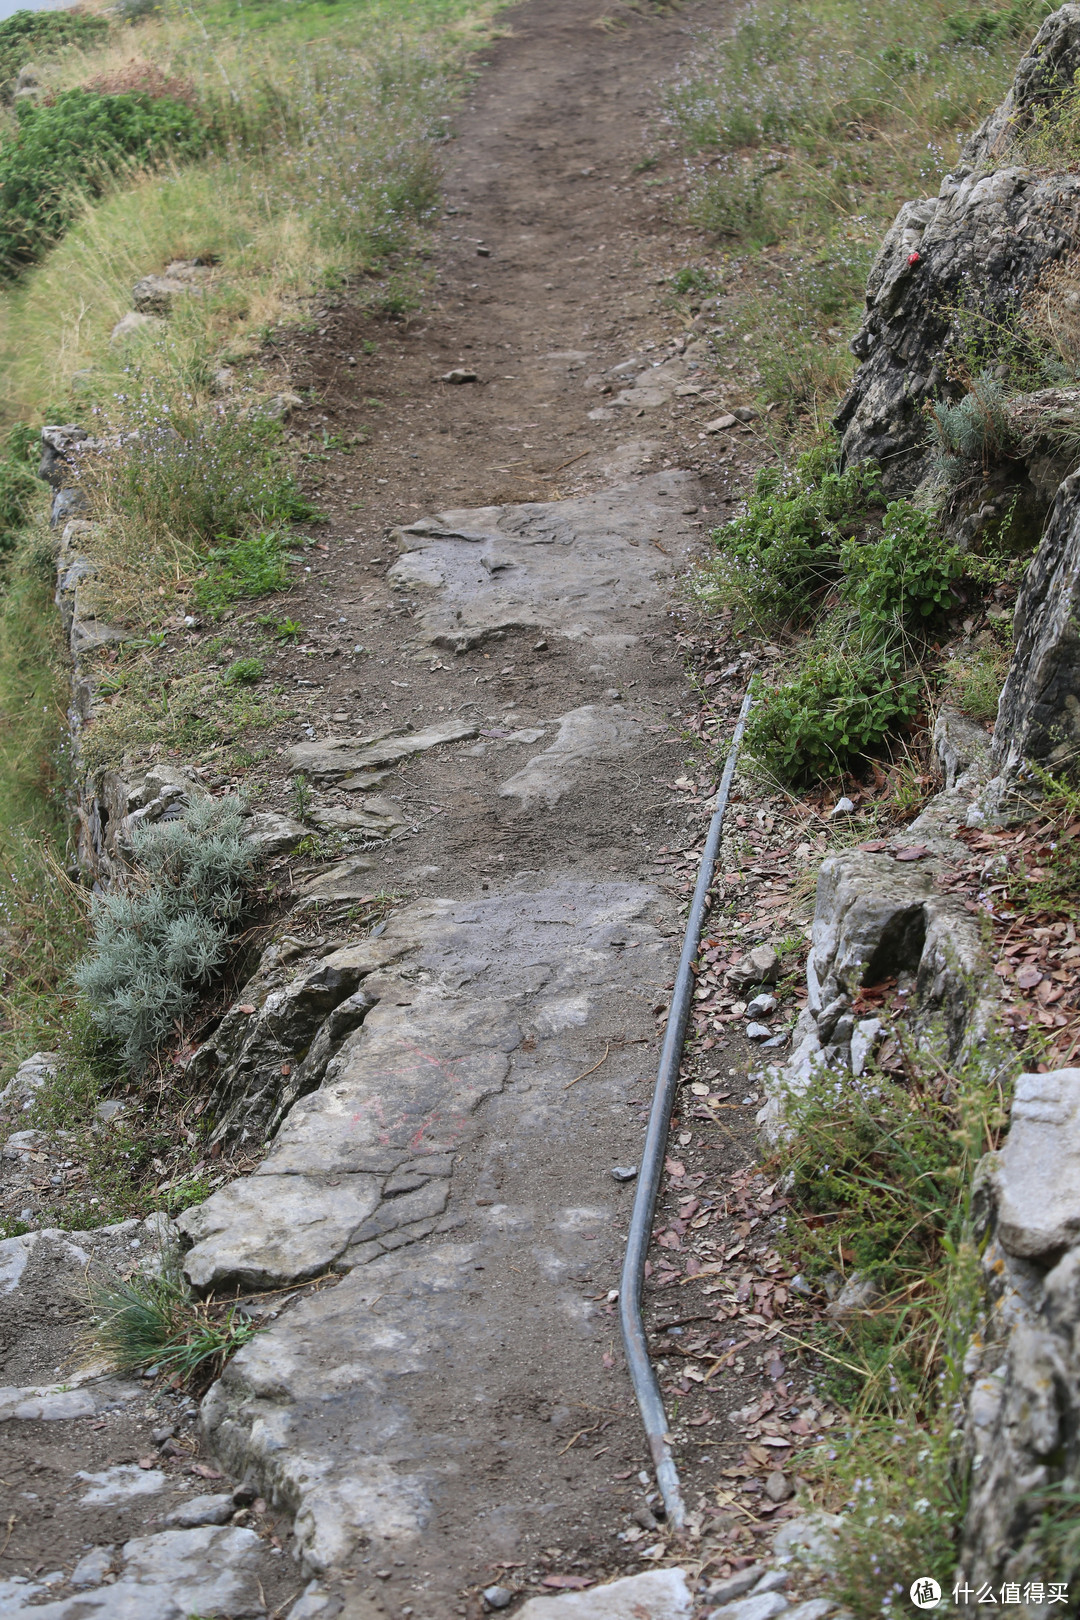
455, 1410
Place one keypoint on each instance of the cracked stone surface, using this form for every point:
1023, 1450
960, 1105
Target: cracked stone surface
584, 567
431, 1168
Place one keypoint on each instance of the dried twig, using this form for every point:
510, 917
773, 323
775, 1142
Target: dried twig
586, 1072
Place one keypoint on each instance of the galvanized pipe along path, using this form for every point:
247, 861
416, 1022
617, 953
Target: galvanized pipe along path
642, 1373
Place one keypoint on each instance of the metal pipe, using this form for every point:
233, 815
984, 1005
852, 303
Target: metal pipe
643, 1377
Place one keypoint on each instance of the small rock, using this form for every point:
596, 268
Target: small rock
166, 1432
812, 1609
131, 325
645, 1518
660, 1594
759, 1606
842, 807
758, 1032
497, 1597
735, 1585
761, 1005
155, 295
864, 1037
458, 375
759, 966
745, 413
272, 833
721, 423
624, 1172
91, 1569
108, 1110
200, 1510
119, 1483
778, 1488
857, 1294
774, 1580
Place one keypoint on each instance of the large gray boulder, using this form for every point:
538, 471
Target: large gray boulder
985, 237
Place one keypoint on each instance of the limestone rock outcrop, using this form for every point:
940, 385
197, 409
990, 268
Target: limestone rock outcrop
982, 243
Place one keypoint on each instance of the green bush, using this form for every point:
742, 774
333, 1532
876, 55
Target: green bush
29, 36
67, 150
904, 577
776, 561
156, 944
838, 708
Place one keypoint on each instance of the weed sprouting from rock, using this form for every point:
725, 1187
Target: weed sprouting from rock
150, 1320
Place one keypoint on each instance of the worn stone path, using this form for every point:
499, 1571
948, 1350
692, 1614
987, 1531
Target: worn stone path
448, 1096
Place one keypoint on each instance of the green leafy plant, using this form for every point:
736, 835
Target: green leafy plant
301, 797
904, 577
244, 672
66, 150
157, 943
253, 565
151, 1321
776, 561
840, 707
32, 36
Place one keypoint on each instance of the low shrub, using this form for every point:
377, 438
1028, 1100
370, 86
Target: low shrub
840, 707
903, 578
974, 429
31, 36
778, 559
157, 944
67, 150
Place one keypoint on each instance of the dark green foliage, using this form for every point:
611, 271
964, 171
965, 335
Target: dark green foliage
18, 490
30, 36
156, 944
244, 671
67, 150
837, 709
903, 578
776, 560
989, 25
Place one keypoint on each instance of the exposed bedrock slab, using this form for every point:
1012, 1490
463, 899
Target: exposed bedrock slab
336, 757
991, 233
171, 1576
588, 739
587, 568
496, 1215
